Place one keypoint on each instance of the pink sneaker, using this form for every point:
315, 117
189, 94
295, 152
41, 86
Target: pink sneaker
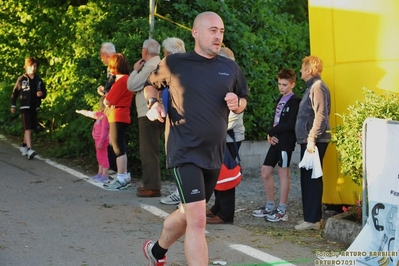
102, 179
147, 246
95, 177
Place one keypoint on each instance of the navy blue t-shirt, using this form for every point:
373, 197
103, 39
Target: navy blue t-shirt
198, 114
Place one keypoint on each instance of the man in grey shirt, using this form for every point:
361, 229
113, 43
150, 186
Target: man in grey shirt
149, 131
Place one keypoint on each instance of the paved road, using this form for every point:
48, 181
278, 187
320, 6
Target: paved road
51, 216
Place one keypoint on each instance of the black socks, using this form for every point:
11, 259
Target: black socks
158, 252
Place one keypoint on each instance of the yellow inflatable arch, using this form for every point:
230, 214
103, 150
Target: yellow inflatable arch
358, 40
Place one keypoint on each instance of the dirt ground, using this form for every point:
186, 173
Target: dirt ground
250, 196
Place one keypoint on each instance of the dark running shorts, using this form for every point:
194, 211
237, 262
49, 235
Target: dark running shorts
29, 119
194, 183
117, 135
274, 156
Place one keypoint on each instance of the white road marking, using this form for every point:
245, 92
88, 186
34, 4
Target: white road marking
71, 172
262, 256
154, 210
61, 167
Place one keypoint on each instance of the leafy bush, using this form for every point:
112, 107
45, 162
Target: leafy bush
66, 36
347, 136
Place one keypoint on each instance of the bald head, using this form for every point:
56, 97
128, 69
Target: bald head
200, 18
208, 30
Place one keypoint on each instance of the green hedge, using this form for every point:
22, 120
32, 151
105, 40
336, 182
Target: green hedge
65, 36
348, 135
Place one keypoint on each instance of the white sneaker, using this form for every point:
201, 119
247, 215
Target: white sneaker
307, 226
172, 199
24, 150
128, 179
31, 153
261, 212
277, 215
117, 185
147, 246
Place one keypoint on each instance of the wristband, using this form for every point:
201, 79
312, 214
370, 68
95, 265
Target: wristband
151, 102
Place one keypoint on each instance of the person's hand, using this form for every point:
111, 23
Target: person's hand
101, 90
272, 140
39, 94
139, 65
82, 112
157, 112
13, 110
231, 101
310, 147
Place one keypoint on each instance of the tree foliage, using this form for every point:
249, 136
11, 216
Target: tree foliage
65, 36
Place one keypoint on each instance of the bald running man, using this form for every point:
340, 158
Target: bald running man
204, 87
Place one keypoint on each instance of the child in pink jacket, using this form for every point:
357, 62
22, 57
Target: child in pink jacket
100, 135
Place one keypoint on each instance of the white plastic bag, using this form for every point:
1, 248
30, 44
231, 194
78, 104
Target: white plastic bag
312, 161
